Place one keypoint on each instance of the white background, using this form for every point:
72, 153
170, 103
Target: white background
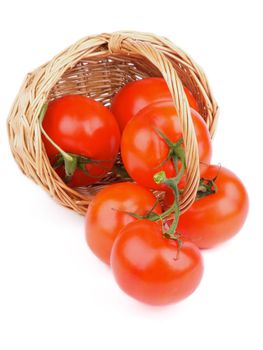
54, 294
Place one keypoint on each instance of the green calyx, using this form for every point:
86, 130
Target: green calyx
75, 162
207, 186
176, 152
70, 161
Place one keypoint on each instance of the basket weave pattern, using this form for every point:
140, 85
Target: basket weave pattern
97, 67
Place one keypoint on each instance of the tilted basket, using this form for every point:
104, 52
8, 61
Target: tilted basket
98, 66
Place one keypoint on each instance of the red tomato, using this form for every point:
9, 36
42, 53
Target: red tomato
86, 128
146, 265
219, 216
106, 214
143, 149
138, 94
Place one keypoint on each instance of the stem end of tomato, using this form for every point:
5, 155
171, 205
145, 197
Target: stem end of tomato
159, 177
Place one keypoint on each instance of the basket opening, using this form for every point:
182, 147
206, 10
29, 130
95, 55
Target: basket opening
101, 77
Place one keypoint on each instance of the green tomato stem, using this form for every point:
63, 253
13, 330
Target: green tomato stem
64, 154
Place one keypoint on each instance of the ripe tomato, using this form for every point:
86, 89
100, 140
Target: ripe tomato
138, 94
107, 214
219, 216
143, 150
146, 265
83, 127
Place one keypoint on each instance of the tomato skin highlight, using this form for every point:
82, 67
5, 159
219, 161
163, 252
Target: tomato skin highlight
145, 264
106, 214
143, 149
217, 217
138, 94
82, 126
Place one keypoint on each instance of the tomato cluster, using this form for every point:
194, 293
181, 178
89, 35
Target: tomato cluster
152, 249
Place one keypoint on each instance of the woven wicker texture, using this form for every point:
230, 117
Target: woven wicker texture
97, 67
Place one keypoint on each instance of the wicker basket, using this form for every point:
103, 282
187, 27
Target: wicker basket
98, 66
